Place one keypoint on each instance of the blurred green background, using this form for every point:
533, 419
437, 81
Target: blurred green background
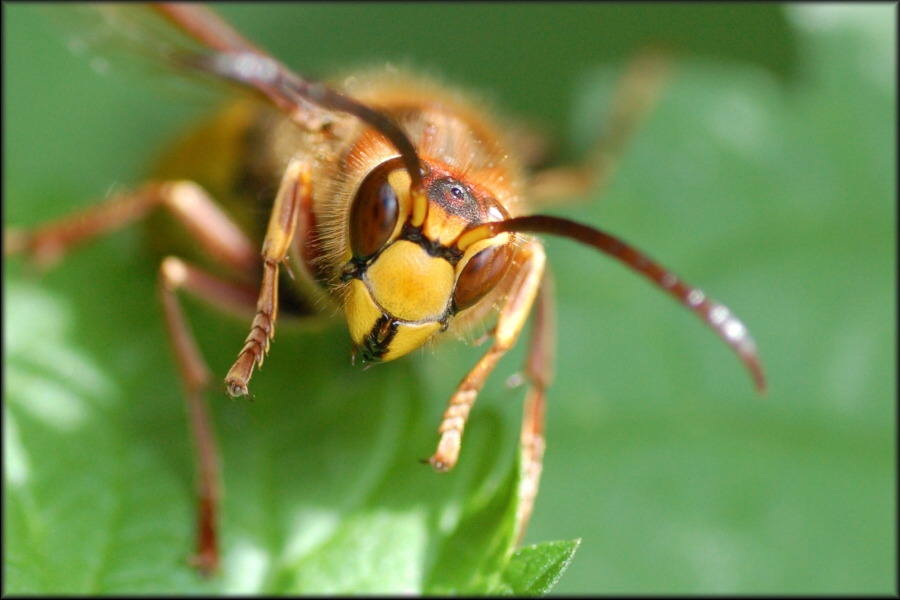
766, 176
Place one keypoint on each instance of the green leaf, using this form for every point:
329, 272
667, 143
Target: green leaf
469, 560
535, 569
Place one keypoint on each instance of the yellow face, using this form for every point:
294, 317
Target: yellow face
406, 283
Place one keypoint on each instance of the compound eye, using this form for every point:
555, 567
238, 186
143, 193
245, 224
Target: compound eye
373, 215
481, 274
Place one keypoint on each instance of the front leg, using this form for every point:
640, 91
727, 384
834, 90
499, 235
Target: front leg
294, 196
509, 325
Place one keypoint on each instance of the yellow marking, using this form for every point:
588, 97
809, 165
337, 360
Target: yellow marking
482, 232
408, 337
441, 226
409, 284
420, 207
400, 181
361, 311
